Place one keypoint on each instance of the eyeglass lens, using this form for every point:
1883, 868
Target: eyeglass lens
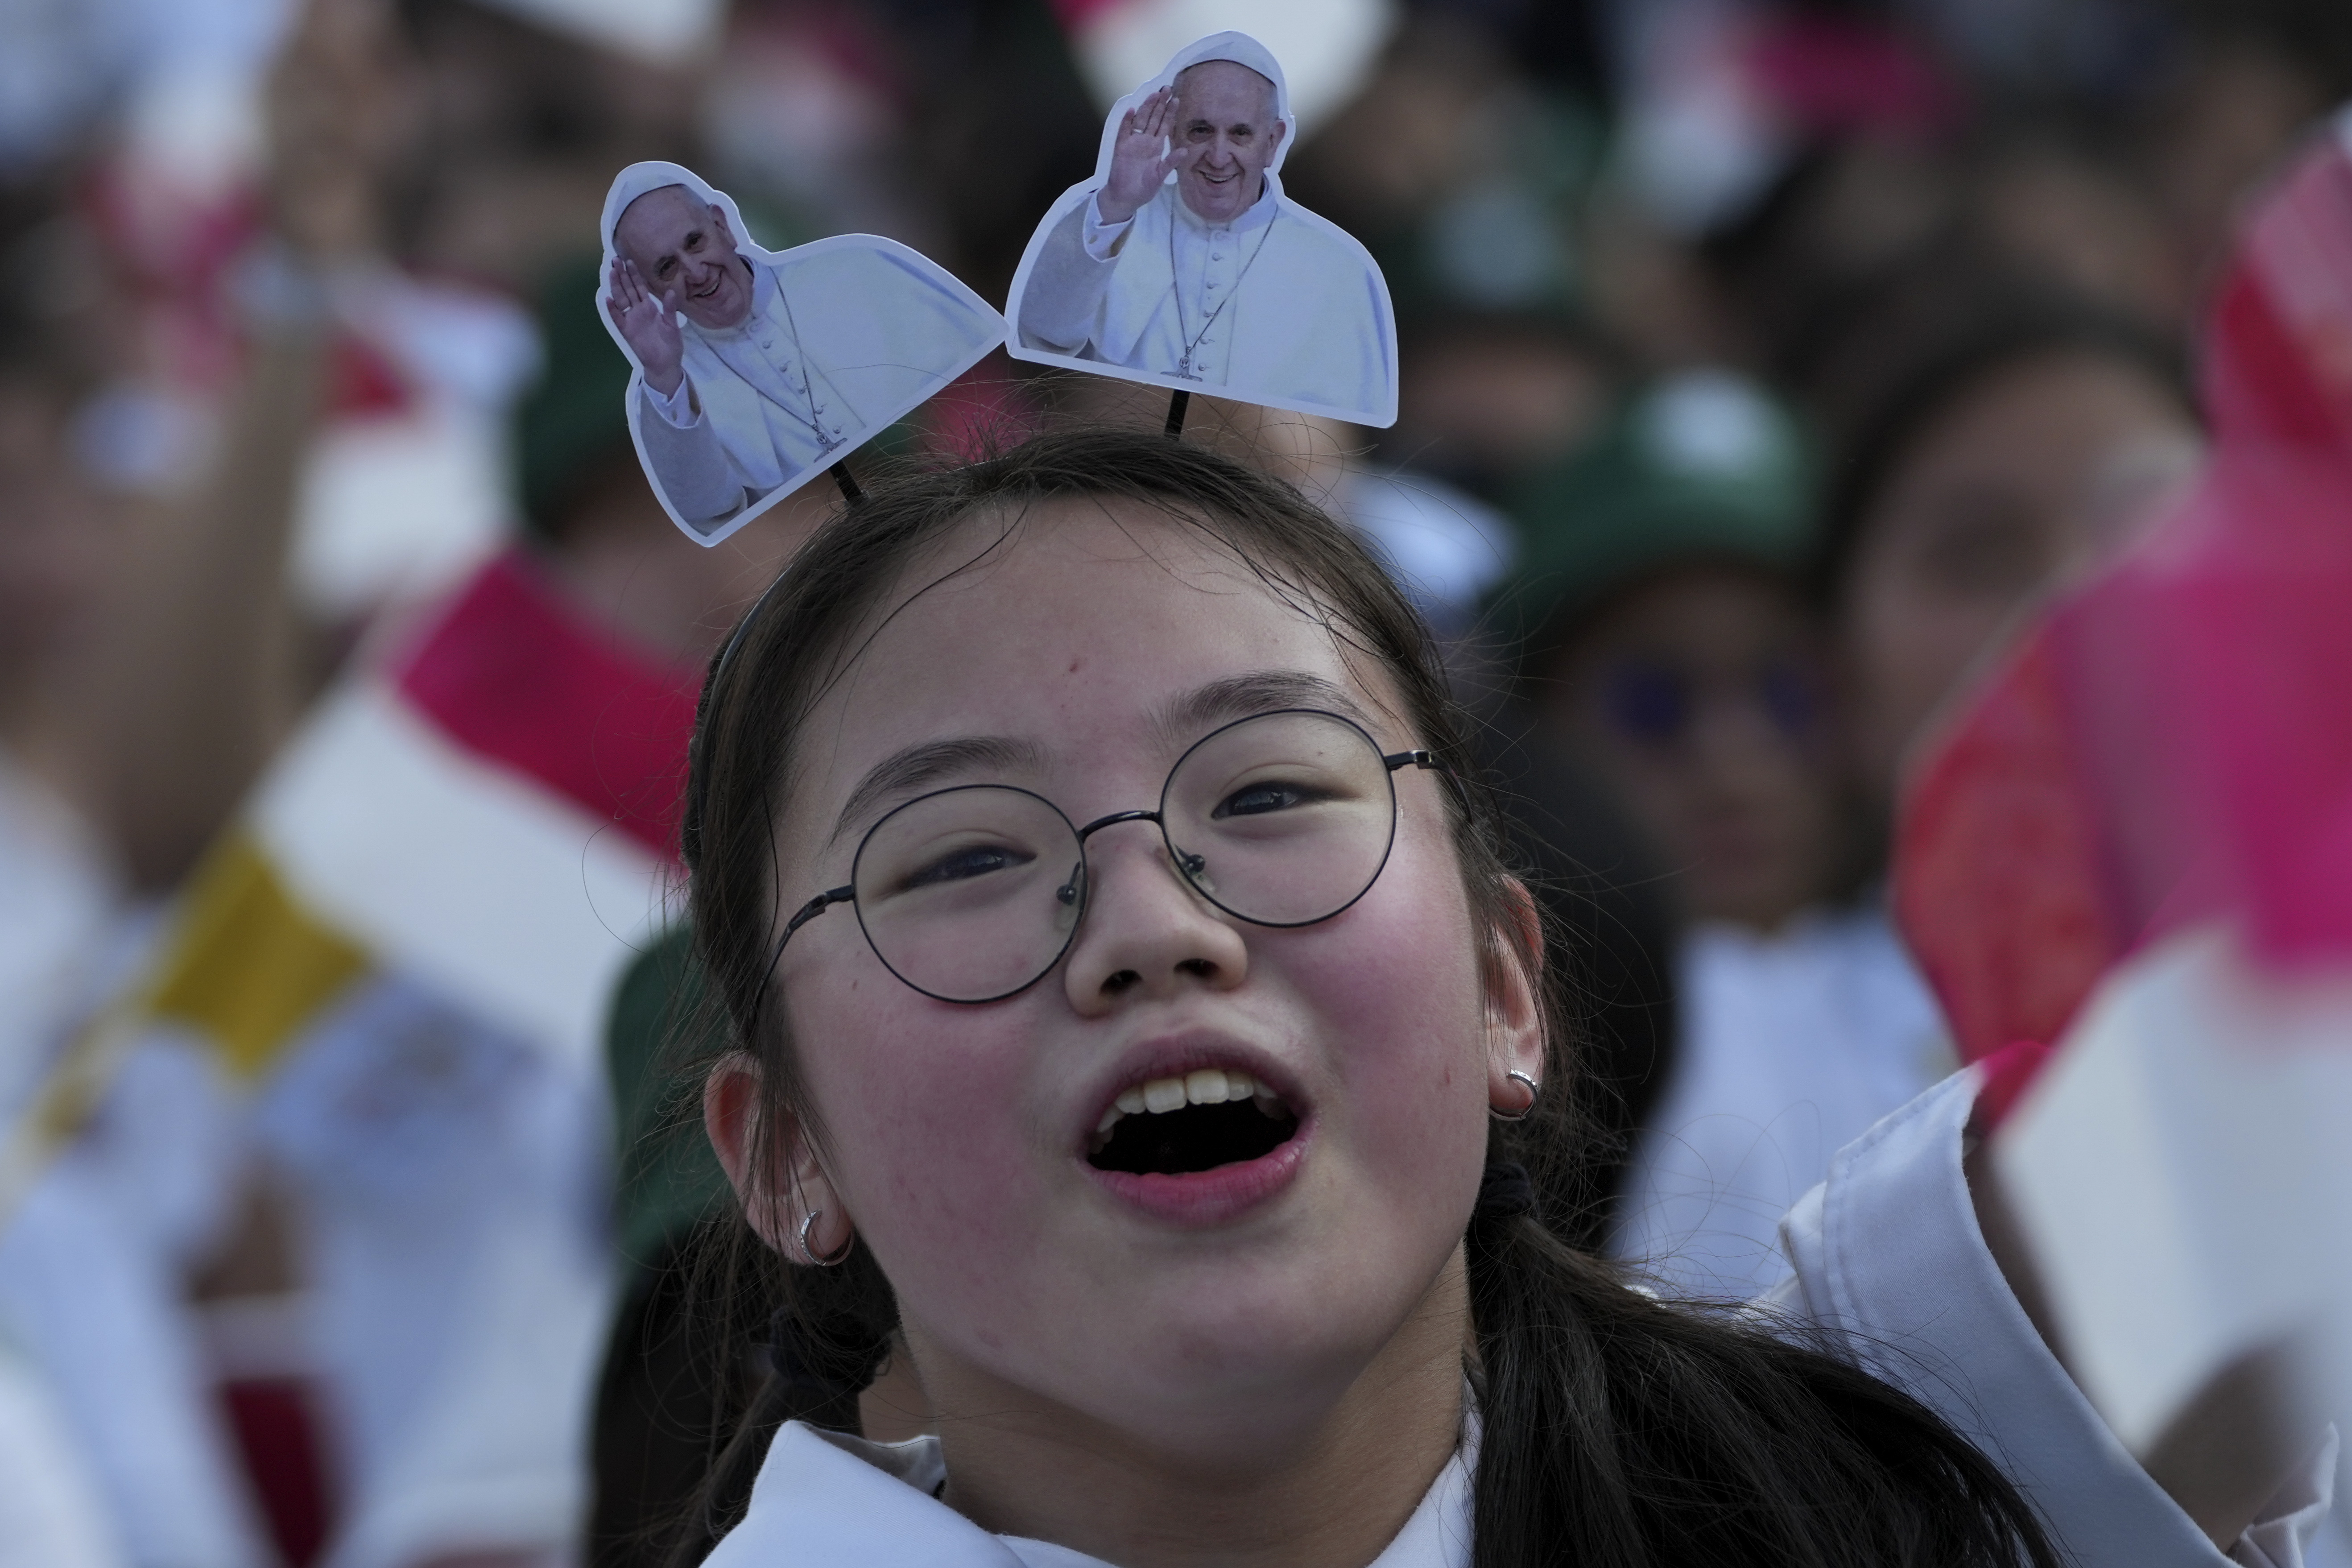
973, 894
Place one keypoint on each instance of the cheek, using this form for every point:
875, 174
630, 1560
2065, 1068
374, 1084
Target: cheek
1908, 636
1921, 643
914, 1096
1396, 989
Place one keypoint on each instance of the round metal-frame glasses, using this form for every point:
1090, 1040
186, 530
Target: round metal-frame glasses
973, 894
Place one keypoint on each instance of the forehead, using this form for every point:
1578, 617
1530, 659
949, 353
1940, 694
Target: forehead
1074, 629
659, 218
1704, 613
2062, 399
1221, 90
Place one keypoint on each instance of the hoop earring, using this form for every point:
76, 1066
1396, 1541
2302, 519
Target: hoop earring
808, 1254
1535, 1091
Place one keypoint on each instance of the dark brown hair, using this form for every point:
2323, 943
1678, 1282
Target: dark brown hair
1616, 1429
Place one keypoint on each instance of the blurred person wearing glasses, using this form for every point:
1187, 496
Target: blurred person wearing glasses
1669, 647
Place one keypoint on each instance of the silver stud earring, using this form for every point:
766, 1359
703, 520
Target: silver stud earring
808, 1254
1535, 1091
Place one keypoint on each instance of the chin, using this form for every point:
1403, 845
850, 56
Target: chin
719, 314
1213, 203
1200, 1373
1301, 1310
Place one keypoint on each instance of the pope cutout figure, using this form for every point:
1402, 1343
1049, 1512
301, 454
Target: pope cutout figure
1184, 259
759, 370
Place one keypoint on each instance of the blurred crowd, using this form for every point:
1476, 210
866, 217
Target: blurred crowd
1764, 361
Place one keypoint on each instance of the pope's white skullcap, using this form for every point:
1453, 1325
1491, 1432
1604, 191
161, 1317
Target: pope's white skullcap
1242, 50
638, 179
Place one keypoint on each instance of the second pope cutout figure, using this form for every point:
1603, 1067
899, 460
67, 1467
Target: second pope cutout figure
1182, 264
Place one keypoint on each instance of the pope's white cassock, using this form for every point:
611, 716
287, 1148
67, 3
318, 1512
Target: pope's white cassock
841, 339
1279, 306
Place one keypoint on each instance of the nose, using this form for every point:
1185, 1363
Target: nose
1735, 727
1147, 934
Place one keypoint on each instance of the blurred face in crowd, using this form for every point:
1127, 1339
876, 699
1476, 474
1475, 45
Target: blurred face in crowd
2039, 470
1225, 111
1699, 697
684, 251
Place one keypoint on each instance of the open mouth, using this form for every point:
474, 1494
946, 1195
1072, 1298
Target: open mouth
1179, 1126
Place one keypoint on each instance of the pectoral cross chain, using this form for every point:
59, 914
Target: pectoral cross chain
1190, 342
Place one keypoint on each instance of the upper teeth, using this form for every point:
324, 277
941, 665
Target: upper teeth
1209, 1086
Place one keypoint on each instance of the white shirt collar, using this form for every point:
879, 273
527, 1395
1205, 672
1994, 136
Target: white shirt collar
1436, 1536
823, 1496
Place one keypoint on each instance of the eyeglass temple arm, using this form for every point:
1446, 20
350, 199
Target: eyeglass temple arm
814, 908
1436, 765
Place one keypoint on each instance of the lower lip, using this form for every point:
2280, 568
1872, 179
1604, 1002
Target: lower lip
1202, 1198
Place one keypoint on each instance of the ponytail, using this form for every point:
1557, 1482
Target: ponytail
1618, 1429
825, 1346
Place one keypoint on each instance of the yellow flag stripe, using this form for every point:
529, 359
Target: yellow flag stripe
246, 964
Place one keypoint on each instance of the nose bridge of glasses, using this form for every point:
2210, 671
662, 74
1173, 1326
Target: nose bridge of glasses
1186, 862
1114, 819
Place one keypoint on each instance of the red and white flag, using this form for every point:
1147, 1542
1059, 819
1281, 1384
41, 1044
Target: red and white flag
2136, 847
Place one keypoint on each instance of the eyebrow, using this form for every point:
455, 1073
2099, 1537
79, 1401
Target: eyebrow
1185, 719
930, 762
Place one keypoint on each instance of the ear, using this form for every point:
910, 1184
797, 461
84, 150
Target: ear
1515, 1012
1273, 137
719, 217
774, 1171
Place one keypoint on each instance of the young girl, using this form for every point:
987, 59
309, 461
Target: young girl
1132, 1019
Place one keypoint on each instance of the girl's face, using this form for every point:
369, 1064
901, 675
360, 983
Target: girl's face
1219, 1308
